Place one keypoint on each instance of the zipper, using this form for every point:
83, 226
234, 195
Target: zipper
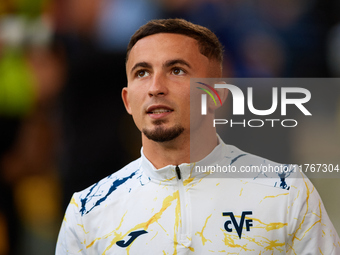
184, 226
178, 171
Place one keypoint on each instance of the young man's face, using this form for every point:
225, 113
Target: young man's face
159, 69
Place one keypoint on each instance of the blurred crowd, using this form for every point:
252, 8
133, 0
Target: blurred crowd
62, 66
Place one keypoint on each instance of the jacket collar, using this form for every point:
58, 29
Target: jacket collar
167, 175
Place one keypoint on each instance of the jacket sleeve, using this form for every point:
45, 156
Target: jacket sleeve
310, 231
71, 235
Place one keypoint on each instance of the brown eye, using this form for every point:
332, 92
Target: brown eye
142, 73
177, 71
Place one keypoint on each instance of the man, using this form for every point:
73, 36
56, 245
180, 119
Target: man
158, 204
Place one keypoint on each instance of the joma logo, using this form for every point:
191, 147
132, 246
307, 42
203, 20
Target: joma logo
238, 227
133, 236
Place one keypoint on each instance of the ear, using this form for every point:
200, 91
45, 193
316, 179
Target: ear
126, 101
222, 93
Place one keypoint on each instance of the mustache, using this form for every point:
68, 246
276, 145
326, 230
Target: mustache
163, 102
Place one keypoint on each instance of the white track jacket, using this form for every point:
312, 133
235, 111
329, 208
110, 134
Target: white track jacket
181, 210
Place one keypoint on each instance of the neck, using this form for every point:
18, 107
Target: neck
186, 148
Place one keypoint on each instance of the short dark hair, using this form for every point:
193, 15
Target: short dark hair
208, 43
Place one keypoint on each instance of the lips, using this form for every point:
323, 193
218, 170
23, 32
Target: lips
158, 111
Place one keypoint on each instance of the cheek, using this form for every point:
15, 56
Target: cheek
136, 109
135, 98
185, 106
136, 114
136, 103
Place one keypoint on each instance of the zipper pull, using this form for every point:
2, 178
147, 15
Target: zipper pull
178, 171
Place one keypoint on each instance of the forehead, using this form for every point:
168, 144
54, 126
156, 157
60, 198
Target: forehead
161, 47
165, 38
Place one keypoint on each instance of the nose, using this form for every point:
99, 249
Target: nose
158, 86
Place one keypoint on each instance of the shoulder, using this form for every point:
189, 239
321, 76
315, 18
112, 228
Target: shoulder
262, 171
120, 182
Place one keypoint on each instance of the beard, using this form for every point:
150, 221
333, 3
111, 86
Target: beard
161, 134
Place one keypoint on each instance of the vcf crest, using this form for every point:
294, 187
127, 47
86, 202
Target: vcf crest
238, 227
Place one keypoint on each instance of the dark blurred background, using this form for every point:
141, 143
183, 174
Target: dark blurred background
63, 125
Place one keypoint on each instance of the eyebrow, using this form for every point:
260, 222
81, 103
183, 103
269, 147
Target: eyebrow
175, 62
140, 64
168, 63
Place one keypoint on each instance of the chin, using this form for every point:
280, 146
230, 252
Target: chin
163, 134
